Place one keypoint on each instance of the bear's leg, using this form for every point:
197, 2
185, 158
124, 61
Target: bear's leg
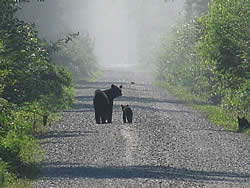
130, 119
124, 118
103, 119
109, 116
110, 113
97, 118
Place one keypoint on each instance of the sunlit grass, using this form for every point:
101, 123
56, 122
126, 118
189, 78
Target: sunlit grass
95, 76
20, 183
215, 114
218, 116
20, 163
40, 129
181, 93
221, 117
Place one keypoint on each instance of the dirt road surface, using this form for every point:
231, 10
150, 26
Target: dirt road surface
167, 145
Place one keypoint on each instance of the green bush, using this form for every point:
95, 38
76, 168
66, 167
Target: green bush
31, 88
179, 63
26, 68
210, 57
77, 56
224, 47
5, 175
20, 153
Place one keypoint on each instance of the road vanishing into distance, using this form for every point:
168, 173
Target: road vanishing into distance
167, 145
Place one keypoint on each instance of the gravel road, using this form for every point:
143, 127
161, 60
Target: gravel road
167, 145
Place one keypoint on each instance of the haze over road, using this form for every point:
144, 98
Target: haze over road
167, 145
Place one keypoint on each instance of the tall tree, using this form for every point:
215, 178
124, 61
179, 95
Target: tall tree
224, 46
28, 72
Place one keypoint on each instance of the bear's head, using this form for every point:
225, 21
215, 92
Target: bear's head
124, 106
116, 91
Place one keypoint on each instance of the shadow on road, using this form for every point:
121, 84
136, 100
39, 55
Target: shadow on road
147, 100
133, 99
85, 84
130, 172
65, 134
83, 107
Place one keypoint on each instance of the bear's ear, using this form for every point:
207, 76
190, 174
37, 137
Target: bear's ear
127, 105
112, 85
120, 86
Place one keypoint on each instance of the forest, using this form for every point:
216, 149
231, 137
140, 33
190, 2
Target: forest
35, 83
206, 54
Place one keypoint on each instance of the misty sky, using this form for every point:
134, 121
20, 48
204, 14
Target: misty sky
120, 28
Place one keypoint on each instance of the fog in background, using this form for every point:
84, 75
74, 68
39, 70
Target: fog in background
124, 31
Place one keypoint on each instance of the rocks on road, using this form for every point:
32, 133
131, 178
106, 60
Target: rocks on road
167, 145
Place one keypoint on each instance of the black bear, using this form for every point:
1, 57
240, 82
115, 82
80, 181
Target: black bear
243, 123
103, 103
127, 113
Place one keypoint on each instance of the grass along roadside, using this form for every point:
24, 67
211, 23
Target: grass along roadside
215, 114
20, 151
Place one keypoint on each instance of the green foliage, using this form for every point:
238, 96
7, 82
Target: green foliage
219, 116
28, 74
31, 88
21, 149
20, 153
77, 56
222, 117
28, 67
209, 58
225, 38
5, 176
224, 46
179, 63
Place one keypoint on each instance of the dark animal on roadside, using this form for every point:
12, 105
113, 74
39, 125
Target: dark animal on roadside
127, 113
243, 123
132, 82
103, 103
45, 120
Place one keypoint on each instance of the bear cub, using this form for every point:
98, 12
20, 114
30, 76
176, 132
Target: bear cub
103, 103
127, 113
243, 123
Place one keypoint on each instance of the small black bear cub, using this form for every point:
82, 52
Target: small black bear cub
127, 113
103, 103
243, 123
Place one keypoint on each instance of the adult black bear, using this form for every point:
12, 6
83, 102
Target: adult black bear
127, 113
243, 123
103, 103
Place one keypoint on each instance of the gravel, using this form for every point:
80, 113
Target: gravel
167, 145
